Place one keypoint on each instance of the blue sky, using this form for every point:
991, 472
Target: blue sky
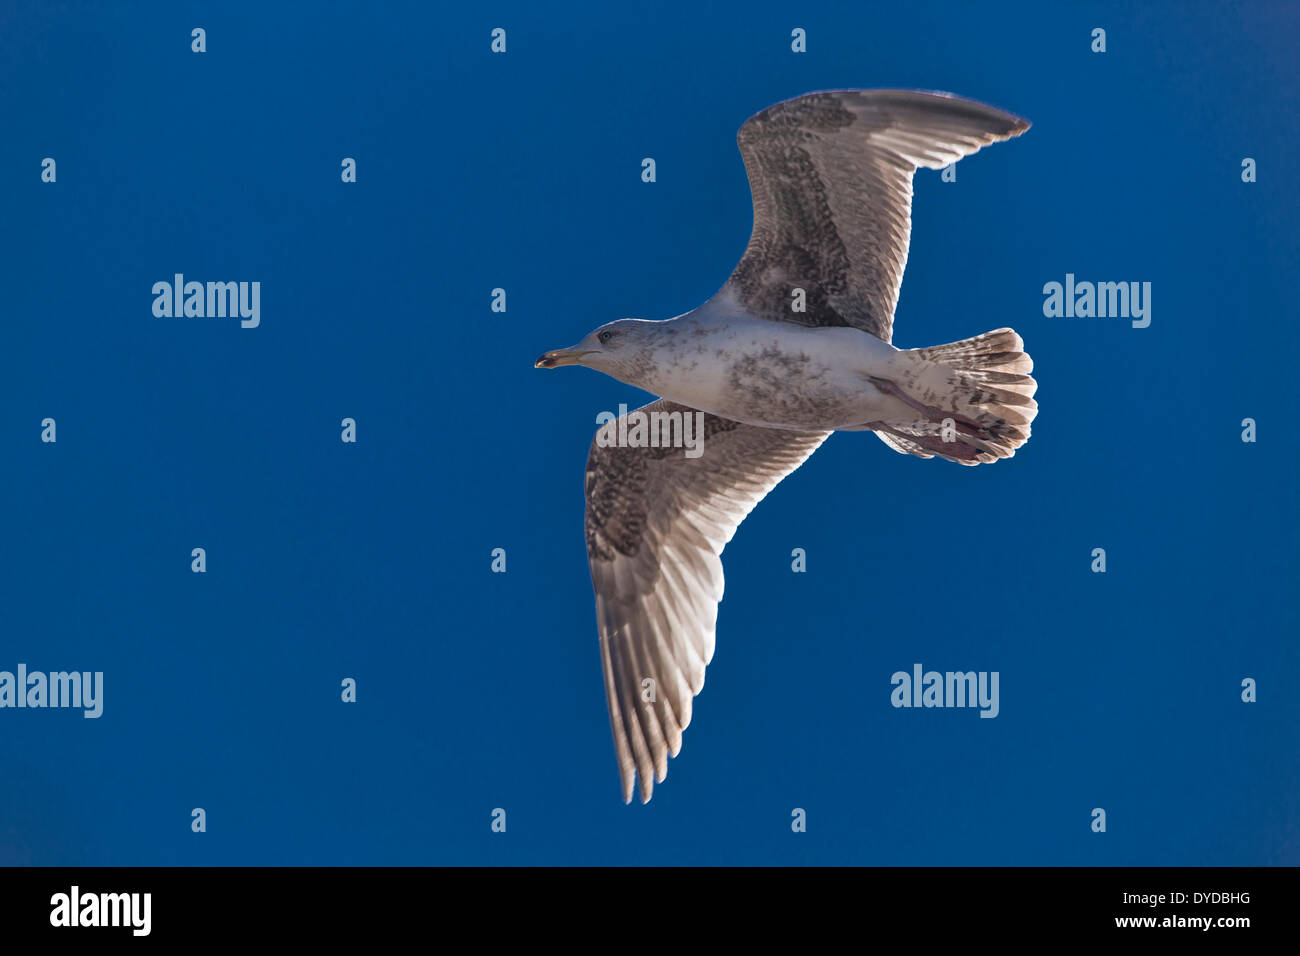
372, 560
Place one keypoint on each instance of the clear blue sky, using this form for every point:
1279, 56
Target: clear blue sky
522, 171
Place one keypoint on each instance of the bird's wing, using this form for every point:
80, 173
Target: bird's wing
656, 523
831, 179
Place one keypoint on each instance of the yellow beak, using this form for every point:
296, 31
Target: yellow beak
561, 357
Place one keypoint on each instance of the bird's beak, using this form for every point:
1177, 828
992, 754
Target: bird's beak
562, 357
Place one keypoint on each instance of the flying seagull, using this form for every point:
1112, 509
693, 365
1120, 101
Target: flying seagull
794, 346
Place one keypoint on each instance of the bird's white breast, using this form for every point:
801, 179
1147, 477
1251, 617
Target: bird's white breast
775, 374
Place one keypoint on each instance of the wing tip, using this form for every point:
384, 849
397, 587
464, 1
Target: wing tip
1011, 125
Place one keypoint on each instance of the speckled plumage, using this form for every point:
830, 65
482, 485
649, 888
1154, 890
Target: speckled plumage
831, 179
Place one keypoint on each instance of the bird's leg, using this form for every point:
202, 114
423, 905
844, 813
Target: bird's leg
929, 413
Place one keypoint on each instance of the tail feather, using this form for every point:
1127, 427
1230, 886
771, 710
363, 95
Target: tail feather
974, 399
1001, 349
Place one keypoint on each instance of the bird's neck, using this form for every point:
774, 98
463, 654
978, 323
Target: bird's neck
669, 362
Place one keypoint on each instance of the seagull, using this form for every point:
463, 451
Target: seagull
794, 346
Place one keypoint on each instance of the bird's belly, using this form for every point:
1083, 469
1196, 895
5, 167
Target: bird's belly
810, 379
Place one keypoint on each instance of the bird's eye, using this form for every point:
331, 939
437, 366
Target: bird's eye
605, 336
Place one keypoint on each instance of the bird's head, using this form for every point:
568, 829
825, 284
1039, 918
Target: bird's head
616, 348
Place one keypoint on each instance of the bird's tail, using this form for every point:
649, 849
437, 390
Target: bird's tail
974, 399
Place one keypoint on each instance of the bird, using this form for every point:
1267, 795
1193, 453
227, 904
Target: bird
794, 346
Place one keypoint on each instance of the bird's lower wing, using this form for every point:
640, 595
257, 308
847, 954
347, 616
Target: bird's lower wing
656, 524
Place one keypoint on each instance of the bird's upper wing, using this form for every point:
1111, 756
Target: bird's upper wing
831, 178
656, 523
